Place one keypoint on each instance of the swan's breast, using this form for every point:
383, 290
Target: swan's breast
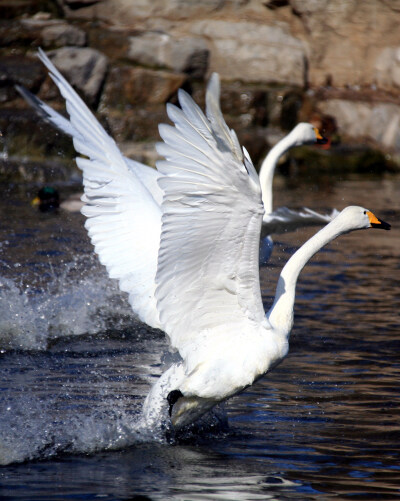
225, 363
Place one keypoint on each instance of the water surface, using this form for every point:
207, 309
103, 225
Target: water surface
76, 365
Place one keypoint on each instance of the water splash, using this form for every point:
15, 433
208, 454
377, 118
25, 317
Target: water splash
71, 303
31, 429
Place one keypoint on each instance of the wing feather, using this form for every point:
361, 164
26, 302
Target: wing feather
124, 219
207, 272
283, 219
214, 115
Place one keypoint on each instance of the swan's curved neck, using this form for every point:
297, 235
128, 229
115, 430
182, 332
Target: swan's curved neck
281, 313
267, 170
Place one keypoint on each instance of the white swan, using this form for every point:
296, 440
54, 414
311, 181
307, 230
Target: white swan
284, 220
276, 221
199, 280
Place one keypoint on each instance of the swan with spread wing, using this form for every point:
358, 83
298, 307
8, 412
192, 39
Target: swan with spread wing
190, 263
276, 221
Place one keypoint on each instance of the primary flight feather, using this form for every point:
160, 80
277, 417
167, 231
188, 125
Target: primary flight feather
280, 220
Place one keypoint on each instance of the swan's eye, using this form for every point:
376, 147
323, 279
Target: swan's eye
365, 212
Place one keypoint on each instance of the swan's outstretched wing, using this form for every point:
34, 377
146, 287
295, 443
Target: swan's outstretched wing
148, 175
207, 274
214, 115
124, 220
283, 220
47, 113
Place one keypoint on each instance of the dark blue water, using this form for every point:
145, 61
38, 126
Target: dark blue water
75, 367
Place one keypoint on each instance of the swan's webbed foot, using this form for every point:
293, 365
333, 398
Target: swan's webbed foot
172, 398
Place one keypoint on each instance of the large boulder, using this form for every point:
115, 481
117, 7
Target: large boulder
181, 54
132, 86
345, 37
387, 69
377, 121
58, 35
253, 52
84, 68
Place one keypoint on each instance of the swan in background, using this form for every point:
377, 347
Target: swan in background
284, 220
190, 265
279, 221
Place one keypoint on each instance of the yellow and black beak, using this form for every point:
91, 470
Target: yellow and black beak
320, 139
376, 222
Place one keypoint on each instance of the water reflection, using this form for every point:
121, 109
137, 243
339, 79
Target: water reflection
323, 424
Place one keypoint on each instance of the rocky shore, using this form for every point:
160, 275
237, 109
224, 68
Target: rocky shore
333, 62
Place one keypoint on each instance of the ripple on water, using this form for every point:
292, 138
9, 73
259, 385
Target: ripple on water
76, 367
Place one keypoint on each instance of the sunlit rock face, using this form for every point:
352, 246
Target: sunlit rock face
253, 52
63, 34
181, 54
387, 69
335, 64
377, 121
84, 67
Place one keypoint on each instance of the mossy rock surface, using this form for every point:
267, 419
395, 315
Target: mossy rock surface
341, 161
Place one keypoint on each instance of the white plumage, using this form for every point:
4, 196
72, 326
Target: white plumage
283, 219
280, 220
190, 266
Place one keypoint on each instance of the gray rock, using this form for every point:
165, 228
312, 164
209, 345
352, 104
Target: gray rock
129, 11
254, 52
79, 3
377, 121
387, 68
184, 54
84, 68
59, 35
132, 86
303, 7
32, 23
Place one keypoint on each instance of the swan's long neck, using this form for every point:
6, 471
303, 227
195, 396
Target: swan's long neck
281, 313
267, 170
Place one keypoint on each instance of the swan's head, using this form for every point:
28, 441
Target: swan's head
305, 133
358, 218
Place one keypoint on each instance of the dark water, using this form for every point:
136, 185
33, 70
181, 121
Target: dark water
75, 366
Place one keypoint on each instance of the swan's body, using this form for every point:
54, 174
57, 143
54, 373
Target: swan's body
190, 265
227, 358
